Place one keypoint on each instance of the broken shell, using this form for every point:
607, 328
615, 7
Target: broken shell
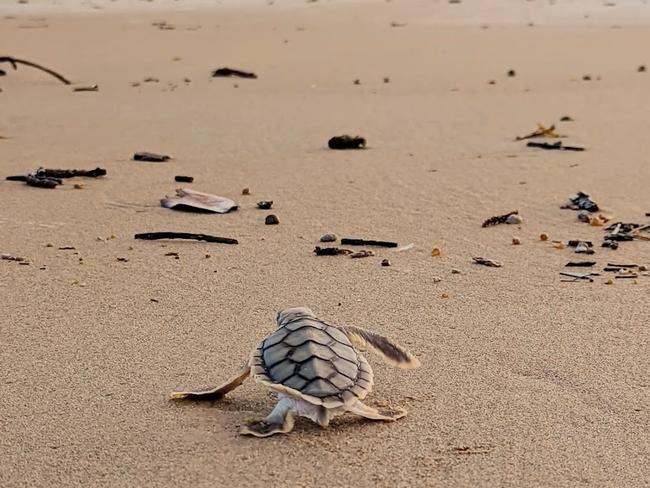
444, 295
328, 238
455, 271
198, 201
643, 268
543, 237
436, 252
514, 219
559, 245
516, 241
271, 220
596, 222
385, 262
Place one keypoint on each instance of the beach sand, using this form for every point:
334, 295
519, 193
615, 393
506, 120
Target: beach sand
525, 380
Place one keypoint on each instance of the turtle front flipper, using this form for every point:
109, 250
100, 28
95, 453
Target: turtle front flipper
215, 393
279, 421
388, 414
388, 350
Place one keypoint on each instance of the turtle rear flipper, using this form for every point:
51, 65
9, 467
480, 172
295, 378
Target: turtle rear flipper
215, 393
388, 350
279, 421
388, 414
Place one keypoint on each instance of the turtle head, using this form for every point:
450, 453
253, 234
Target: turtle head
290, 314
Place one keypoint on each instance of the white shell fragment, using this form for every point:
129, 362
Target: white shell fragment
195, 200
514, 219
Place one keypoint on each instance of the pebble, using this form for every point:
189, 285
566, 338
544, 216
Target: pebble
516, 241
271, 220
436, 252
328, 238
246, 191
543, 237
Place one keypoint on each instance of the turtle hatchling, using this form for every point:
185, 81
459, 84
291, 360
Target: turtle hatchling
316, 369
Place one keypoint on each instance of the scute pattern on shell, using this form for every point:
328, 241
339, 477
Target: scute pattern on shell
314, 361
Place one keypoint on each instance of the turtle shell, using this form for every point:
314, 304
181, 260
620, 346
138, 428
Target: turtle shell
311, 360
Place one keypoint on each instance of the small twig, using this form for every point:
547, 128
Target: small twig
15, 61
580, 264
152, 236
364, 242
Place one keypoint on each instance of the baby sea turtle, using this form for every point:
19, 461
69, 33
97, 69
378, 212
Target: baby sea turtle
317, 371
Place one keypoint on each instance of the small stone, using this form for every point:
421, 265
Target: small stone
596, 221
514, 219
271, 220
643, 268
516, 241
436, 252
386, 79
511, 73
328, 238
583, 216
357, 81
246, 191
49, 244
543, 237
609, 282
641, 69
385, 262
265, 204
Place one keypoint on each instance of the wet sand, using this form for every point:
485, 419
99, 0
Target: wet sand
525, 380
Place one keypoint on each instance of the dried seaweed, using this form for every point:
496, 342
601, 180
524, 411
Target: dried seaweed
151, 236
499, 219
229, 72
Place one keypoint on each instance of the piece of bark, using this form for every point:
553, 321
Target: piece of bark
150, 157
346, 142
229, 72
330, 251
151, 236
184, 179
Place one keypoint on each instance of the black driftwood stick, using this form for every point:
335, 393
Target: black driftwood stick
69, 173
14, 63
558, 146
365, 242
152, 236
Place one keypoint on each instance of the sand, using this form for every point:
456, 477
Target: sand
525, 380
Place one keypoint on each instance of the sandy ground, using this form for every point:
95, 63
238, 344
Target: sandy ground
525, 380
